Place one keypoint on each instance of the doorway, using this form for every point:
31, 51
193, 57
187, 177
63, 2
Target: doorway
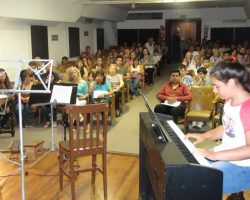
100, 38
188, 29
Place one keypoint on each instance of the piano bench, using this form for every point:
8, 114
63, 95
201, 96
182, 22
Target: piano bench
32, 148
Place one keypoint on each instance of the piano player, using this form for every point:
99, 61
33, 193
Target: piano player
231, 81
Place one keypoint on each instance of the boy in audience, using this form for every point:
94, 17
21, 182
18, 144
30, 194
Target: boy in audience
207, 64
120, 68
204, 81
204, 77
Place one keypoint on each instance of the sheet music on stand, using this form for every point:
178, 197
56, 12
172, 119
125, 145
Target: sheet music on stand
61, 94
64, 93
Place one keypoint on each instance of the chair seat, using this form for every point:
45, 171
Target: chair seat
199, 114
65, 146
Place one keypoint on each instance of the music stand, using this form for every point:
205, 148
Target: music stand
21, 63
156, 124
69, 90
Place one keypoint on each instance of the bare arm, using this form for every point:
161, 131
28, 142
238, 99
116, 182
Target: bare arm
213, 134
239, 153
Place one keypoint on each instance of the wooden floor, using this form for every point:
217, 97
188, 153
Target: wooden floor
42, 181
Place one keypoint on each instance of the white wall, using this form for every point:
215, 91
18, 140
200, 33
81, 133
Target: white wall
15, 38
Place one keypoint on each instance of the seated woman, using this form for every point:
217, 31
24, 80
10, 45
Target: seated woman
101, 84
82, 69
74, 76
26, 108
5, 84
136, 75
148, 63
117, 83
98, 65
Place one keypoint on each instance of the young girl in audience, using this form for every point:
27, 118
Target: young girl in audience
117, 83
231, 82
185, 78
136, 75
132, 56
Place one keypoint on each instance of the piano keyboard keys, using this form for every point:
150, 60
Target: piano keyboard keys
177, 136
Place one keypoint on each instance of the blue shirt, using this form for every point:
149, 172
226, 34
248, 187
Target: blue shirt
82, 88
104, 87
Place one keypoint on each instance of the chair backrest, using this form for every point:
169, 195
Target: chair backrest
203, 98
94, 116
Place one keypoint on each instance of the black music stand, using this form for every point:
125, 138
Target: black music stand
56, 97
72, 101
39, 99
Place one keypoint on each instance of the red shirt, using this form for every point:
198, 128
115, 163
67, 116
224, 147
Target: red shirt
181, 93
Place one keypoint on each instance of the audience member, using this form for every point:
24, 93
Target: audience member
136, 75
117, 83
27, 82
174, 95
148, 64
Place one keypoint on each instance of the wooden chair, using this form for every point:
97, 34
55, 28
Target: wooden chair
84, 143
216, 118
112, 110
201, 107
126, 88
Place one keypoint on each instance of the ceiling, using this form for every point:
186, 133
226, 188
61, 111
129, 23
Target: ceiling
139, 5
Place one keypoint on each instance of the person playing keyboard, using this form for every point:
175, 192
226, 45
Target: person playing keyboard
231, 81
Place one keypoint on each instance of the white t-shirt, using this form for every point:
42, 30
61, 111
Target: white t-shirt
236, 122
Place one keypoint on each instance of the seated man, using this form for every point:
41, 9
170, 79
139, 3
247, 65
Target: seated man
170, 94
